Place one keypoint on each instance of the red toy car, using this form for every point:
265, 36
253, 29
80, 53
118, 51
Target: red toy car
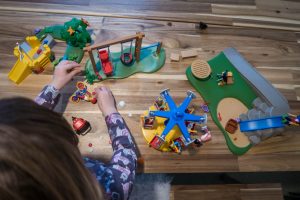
107, 66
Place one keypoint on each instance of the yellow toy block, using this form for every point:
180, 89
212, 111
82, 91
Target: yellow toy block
32, 55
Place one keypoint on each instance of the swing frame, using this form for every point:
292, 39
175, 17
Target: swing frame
138, 44
126, 58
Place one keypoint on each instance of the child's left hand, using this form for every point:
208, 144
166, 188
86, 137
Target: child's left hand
64, 72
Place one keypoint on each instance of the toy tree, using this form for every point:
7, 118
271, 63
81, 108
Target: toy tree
74, 33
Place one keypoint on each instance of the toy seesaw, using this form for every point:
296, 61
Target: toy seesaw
167, 127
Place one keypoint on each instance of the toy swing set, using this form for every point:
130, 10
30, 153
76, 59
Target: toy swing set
104, 64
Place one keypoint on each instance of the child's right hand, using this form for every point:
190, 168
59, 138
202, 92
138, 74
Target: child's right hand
106, 101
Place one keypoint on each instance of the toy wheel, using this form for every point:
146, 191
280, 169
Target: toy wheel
126, 58
74, 99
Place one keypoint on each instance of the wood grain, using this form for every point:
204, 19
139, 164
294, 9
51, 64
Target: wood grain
227, 192
275, 54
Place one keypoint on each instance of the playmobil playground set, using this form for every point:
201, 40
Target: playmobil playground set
104, 64
242, 103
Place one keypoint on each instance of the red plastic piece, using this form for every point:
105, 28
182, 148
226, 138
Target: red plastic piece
107, 66
81, 126
90, 144
39, 51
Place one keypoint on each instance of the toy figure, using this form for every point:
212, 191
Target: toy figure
160, 104
290, 119
225, 78
83, 94
148, 122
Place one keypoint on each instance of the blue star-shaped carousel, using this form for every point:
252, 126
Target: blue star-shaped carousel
177, 116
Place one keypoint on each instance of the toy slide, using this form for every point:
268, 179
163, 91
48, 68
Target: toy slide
19, 72
260, 124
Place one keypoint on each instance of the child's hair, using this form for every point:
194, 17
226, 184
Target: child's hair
39, 157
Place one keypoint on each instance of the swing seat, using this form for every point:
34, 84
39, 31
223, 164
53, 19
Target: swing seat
126, 59
107, 68
103, 55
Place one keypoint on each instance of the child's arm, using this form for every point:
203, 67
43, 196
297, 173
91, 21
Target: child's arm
117, 177
124, 161
63, 73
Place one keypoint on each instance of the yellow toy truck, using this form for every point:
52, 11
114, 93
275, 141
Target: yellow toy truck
33, 55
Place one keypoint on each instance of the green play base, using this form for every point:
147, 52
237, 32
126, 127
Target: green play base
213, 94
149, 63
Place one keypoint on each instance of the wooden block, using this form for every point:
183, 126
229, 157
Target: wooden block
189, 53
175, 57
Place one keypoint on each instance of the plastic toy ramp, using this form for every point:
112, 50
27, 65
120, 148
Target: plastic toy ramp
260, 124
19, 72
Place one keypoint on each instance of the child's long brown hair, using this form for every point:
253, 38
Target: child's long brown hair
39, 158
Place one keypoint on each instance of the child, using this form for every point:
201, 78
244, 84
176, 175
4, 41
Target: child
116, 178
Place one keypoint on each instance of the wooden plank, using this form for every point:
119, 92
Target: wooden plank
230, 191
114, 41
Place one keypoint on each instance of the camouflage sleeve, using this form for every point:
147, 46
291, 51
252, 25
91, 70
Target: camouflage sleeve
48, 97
118, 176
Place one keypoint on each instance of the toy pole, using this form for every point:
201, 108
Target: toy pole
158, 48
93, 61
138, 46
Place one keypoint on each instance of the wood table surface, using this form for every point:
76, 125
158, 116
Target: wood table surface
269, 42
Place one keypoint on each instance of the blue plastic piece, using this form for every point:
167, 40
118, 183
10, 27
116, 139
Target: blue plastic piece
177, 115
261, 124
150, 46
37, 30
45, 42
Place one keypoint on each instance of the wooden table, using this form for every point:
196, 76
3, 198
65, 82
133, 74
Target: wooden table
274, 51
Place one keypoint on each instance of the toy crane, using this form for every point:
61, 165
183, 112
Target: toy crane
176, 116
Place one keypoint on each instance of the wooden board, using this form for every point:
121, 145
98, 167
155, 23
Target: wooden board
227, 192
275, 53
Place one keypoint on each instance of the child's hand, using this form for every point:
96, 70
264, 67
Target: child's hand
64, 72
106, 100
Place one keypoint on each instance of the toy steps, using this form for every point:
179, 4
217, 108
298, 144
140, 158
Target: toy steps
261, 124
227, 191
260, 110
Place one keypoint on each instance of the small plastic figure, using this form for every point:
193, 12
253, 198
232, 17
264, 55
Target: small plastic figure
148, 122
83, 94
290, 119
225, 78
207, 135
160, 104
81, 126
204, 107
